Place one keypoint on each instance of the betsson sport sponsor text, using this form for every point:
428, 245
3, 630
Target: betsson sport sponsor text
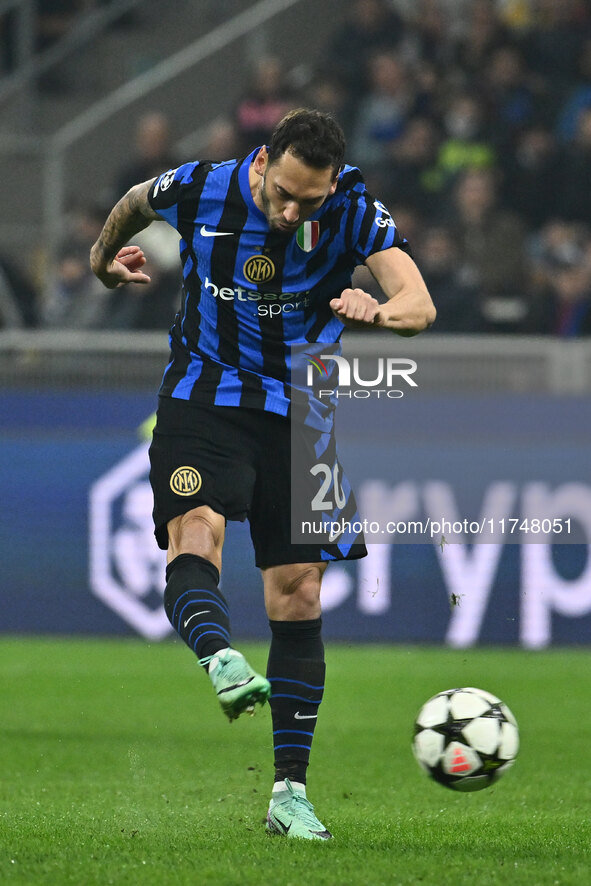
281, 302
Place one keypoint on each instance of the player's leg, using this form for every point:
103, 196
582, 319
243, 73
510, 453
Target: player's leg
195, 489
199, 613
296, 672
296, 667
193, 601
292, 574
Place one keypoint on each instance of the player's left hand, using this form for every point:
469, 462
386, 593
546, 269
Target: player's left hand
357, 309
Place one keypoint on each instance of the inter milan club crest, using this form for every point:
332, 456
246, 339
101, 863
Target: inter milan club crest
185, 481
258, 269
307, 235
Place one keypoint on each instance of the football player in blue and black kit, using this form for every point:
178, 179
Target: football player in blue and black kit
268, 245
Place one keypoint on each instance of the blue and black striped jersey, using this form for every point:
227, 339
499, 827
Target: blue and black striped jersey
252, 296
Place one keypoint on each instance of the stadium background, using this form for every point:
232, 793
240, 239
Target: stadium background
503, 396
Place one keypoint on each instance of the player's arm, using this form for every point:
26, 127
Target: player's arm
113, 262
409, 309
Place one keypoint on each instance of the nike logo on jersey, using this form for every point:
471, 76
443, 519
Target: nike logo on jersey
298, 716
205, 233
195, 614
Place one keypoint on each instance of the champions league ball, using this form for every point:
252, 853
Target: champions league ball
465, 739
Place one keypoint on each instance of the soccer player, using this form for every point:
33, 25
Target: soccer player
268, 246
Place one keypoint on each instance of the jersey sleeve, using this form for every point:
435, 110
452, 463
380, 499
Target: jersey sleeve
171, 189
371, 227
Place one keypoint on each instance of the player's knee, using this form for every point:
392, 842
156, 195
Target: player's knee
199, 531
295, 595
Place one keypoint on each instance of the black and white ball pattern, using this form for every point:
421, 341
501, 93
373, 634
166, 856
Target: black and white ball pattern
465, 739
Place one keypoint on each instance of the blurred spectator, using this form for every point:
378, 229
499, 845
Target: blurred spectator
408, 175
466, 144
371, 26
73, 300
408, 221
532, 171
221, 142
430, 32
561, 274
574, 181
483, 33
454, 296
148, 307
264, 103
558, 244
455, 13
429, 90
579, 99
517, 15
568, 313
153, 306
18, 297
328, 93
382, 112
84, 223
490, 241
509, 96
553, 45
154, 153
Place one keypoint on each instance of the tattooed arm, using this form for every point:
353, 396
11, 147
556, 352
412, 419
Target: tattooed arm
113, 264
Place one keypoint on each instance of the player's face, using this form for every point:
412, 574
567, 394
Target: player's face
290, 191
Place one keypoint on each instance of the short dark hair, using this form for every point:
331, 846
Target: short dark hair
312, 136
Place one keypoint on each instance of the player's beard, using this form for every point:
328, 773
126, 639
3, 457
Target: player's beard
274, 223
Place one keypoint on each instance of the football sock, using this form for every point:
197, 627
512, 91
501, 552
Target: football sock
279, 787
296, 672
195, 606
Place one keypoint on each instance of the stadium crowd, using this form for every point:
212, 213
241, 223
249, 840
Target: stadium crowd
470, 119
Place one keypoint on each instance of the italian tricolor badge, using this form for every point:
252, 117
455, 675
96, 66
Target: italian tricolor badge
307, 235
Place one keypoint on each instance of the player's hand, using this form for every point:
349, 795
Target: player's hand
125, 268
357, 309
132, 257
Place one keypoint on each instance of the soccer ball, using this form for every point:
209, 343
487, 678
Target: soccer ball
465, 739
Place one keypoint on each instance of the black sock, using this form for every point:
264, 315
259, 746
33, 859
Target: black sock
195, 606
296, 671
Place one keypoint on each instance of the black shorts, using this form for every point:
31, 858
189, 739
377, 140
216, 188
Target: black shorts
238, 461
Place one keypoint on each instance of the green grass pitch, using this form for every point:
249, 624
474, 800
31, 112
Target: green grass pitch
118, 767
